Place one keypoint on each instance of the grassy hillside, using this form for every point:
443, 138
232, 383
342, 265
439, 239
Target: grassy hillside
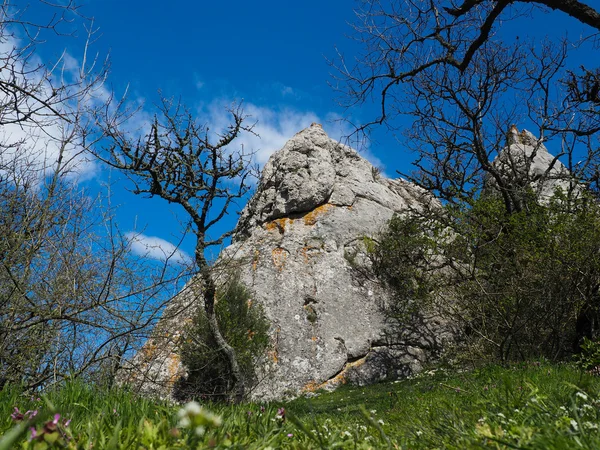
534, 405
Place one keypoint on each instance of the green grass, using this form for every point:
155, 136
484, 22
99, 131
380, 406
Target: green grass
527, 406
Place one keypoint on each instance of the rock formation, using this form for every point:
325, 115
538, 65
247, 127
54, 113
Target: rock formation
297, 248
525, 161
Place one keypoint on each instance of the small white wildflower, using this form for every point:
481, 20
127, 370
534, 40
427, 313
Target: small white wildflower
184, 422
582, 396
200, 431
533, 400
347, 433
574, 424
501, 415
418, 433
192, 408
563, 409
373, 411
587, 407
590, 425
516, 410
216, 420
481, 420
381, 422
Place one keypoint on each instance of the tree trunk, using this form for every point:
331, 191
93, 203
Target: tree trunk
209, 294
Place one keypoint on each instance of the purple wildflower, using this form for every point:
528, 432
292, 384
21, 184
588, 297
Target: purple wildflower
52, 425
281, 414
16, 415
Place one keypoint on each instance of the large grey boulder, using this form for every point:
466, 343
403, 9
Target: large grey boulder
297, 247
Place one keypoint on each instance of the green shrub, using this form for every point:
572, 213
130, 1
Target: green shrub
521, 285
244, 327
589, 358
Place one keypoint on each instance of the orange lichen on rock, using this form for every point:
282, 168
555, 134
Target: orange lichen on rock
335, 381
306, 253
340, 378
278, 224
273, 354
173, 367
279, 256
311, 217
311, 386
255, 260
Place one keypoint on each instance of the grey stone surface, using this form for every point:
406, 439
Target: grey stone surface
526, 161
296, 247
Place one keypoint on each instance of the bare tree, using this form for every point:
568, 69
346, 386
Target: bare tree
179, 161
457, 84
34, 92
440, 64
74, 299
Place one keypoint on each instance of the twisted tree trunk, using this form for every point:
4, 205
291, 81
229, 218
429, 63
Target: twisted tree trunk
209, 294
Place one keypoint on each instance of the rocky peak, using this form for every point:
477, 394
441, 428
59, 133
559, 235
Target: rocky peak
297, 248
312, 170
525, 161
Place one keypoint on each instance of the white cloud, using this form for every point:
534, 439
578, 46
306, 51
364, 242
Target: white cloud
156, 248
275, 126
36, 144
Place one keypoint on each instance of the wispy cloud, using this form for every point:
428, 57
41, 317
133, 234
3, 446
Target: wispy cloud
156, 248
35, 145
276, 125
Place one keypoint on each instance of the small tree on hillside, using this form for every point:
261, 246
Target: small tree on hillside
179, 161
244, 327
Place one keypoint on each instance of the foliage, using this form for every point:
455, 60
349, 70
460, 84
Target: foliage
245, 328
589, 358
520, 285
532, 405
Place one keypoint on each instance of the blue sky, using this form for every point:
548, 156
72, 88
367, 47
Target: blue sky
270, 54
